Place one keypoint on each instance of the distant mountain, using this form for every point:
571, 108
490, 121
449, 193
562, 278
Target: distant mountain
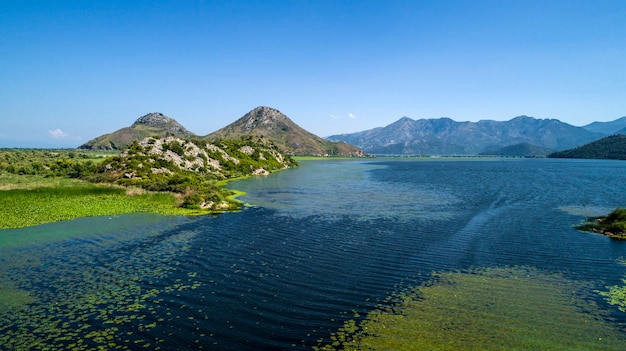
152, 124
445, 136
612, 147
613, 127
270, 124
520, 150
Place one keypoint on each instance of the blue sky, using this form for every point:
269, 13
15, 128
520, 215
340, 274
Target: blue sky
73, 70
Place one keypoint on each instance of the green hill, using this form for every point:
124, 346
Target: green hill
152, 124
291, 139
612, 147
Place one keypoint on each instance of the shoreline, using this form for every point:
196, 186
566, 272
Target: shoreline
59, 200
612, 225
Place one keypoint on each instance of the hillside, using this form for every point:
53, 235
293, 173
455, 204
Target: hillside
520, 150
271, 124
191, 168
612, 147
262, 122
445, 136
152, 124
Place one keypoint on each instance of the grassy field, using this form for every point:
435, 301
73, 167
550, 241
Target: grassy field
31, 200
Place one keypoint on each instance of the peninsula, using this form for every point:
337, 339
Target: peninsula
613, 225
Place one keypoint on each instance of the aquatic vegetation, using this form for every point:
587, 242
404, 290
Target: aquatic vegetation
60, 298
31, 206
484, 309
616, 295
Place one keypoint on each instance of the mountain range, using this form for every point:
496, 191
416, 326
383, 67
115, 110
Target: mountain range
520, 136
444, 136
264, 122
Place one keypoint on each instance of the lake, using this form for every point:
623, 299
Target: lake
329, 243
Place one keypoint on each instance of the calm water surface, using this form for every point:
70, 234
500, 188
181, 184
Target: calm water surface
320, 243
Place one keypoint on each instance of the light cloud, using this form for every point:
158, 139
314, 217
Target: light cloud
351, 115
58, 133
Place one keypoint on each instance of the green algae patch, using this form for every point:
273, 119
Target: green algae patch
484, 309
616, 294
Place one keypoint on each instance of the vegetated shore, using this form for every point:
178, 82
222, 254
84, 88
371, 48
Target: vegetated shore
612, 225
32, 199
37, 200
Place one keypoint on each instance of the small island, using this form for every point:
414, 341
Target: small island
613, 225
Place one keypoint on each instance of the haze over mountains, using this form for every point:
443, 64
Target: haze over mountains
444, 136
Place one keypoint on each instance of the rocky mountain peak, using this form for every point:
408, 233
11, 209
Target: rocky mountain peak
262, 117
270, 124
153, 119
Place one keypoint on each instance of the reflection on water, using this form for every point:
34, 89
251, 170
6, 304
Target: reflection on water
324, 242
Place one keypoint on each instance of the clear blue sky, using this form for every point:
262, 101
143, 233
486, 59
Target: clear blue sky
73, 70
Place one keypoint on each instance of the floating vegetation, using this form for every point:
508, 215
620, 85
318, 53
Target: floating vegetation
516, 308
616, 295
89, 293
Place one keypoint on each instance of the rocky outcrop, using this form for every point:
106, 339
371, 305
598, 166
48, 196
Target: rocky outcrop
152, 124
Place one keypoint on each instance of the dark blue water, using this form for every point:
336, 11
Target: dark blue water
321, 242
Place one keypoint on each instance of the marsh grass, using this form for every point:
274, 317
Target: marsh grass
32, 200
10, 181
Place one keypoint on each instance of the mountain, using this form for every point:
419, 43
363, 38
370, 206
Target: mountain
444, 136
520, 150
613, 127
291, 139
612, 147
152, 124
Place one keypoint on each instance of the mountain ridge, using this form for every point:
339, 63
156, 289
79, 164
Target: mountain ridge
617, 126
263, 122
444, 136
